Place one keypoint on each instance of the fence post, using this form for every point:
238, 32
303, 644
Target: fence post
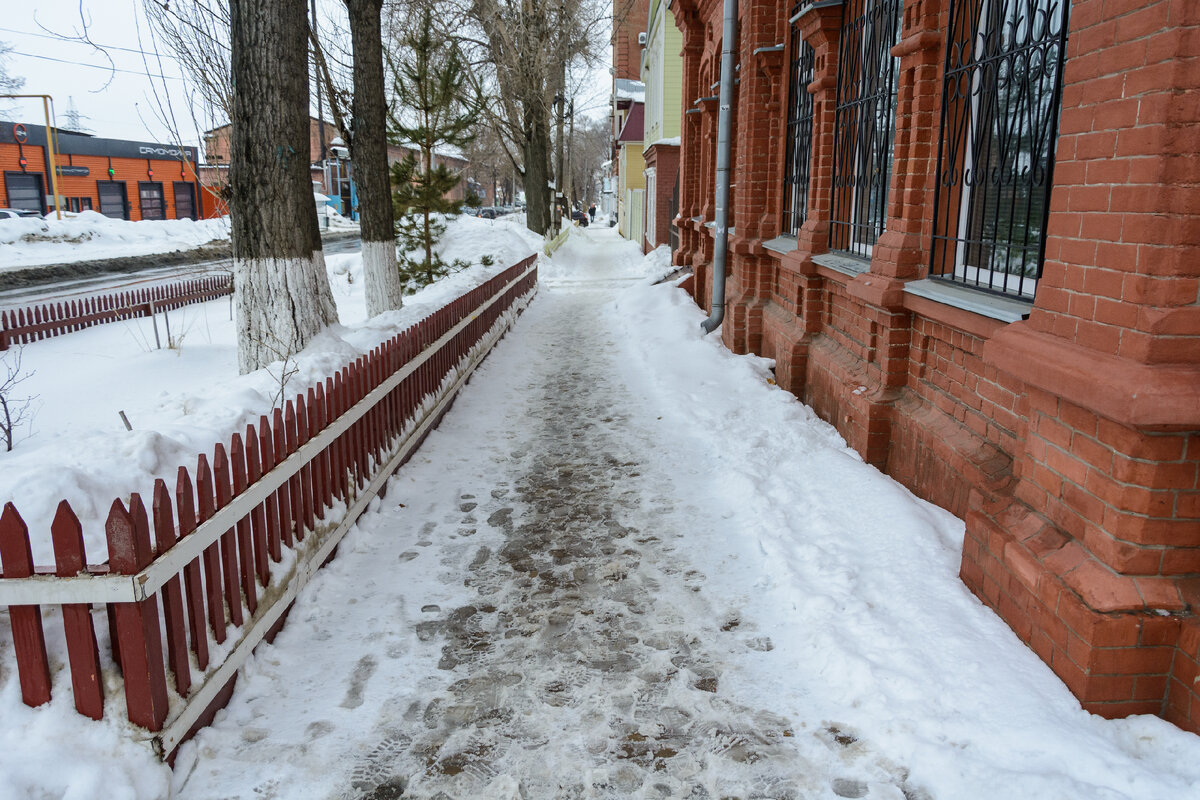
137, 623
82, 651
229, 557
185, 504
212, 554
237, 455
172, 595
29, 640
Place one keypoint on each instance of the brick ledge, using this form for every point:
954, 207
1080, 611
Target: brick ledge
1133, 394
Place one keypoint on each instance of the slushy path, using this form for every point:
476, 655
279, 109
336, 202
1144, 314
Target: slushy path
524, 617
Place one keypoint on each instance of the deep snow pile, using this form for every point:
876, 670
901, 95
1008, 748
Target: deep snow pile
90, 235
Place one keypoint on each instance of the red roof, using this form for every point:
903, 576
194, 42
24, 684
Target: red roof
633, 131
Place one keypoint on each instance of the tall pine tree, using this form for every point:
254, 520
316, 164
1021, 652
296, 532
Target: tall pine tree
436, 109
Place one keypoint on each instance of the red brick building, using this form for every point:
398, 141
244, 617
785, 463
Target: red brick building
966, 230
118, 178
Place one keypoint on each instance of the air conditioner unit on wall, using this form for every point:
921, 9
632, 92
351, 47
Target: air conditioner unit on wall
642, 38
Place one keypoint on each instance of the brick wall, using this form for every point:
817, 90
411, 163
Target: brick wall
127, 170
665, 160
1069, 442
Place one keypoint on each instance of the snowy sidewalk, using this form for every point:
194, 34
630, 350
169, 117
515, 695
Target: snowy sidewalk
569, 594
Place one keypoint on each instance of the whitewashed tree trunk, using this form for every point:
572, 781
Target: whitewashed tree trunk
279, 305
368, 148
381, 277
281, 289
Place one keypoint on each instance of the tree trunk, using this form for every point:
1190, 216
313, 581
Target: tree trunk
368, 149
537, 153
282, 294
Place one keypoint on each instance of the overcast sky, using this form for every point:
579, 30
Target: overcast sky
119, 104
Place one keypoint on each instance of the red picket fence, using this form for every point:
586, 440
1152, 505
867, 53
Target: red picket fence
34, 323
195, 566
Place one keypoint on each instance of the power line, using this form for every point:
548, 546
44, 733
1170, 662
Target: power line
71, 40
97, 66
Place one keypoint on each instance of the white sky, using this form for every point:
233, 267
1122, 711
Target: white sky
122, 109
121, 104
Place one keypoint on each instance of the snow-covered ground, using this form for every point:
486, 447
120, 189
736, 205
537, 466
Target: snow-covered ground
182, 400
88, 236
626, 565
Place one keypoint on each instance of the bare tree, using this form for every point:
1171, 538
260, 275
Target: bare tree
589, 149
9, 83
196, 34
359, 107
281, 285
524, 51
14, 410
368, 151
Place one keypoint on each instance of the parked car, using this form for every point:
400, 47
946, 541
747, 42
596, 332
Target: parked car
470, 211
16, 213
488, 212
581, 217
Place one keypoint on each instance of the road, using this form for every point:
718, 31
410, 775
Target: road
105, 283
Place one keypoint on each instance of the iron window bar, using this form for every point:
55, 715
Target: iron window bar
864, 124
798, 166
1000, 106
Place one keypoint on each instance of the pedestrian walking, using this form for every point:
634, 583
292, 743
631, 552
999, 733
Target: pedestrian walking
592, 212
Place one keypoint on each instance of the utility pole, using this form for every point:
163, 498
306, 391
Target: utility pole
560, 100
570, 176
320, 113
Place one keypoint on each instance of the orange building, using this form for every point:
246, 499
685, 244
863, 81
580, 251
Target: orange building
118, 178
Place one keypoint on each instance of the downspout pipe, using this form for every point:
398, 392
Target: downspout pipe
724, 146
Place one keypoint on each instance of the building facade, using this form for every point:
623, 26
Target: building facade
661, 74
631, 166
966, 231
628, 97
118, 178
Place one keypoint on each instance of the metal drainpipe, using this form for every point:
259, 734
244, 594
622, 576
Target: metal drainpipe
724, 120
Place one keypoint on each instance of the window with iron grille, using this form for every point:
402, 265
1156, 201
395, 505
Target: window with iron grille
996, 152
864, 123
799, 134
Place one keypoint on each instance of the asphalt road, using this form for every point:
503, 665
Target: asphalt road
89, 283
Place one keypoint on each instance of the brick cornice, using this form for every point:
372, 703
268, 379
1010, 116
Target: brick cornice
1145, 396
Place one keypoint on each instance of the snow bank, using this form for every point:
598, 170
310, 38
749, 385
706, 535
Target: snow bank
90, 235
858, 580
181, 401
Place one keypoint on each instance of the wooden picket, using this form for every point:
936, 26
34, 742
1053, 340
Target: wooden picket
34, 323
333, 445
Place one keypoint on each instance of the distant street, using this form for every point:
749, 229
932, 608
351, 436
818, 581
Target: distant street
104, 283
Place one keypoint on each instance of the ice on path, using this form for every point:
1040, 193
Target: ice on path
528, 625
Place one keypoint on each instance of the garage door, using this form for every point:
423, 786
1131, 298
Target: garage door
185, 200
150, 199
112, 199
25, 191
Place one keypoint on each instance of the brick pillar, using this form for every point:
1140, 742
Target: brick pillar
757, 170
1095, 557
819, 27
690, 193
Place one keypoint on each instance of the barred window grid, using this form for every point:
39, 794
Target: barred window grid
864, 123
798, 169
1000, 106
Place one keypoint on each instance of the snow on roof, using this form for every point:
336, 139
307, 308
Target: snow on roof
669, 141
625, 89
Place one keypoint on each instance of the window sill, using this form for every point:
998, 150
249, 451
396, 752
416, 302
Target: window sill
986, 305
846, 265
780, 244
